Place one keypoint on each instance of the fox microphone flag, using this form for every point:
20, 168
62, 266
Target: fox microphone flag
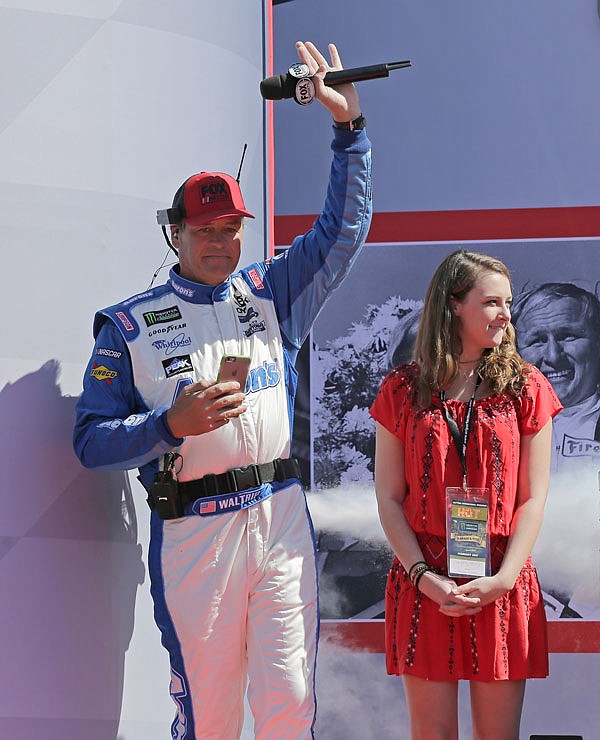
298, 84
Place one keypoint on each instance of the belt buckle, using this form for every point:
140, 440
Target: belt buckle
246, 477
286, 469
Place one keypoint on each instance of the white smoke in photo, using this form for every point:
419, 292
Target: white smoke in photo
353, 556
356, 699
349, 511
353, 552
567, 551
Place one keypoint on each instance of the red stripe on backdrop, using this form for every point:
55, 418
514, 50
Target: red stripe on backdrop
441, 226
566, 636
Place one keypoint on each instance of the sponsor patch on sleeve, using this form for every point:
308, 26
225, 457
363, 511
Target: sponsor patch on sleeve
101, 372
124, 319
256, 279
106, 352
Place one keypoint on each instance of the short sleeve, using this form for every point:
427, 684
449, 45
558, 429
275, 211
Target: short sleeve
538, 404
392, 405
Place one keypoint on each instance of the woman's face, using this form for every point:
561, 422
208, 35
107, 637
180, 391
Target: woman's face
483, 314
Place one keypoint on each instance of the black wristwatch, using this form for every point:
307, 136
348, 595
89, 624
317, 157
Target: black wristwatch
356, 125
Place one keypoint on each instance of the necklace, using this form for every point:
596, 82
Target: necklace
470, 375
473, 372
471, 381
464, 384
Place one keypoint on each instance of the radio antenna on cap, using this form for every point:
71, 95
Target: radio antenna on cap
237, 179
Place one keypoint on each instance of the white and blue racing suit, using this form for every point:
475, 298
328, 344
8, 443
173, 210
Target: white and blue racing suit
234, 579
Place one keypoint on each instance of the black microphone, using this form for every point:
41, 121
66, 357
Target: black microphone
298, 84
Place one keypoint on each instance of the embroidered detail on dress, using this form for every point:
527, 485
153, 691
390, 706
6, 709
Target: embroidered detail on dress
498, 475
524, 585
414, 628
425, 479
396, 575
503, 632
434, 547
474, 653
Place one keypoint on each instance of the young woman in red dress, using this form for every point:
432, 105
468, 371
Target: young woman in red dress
489, 628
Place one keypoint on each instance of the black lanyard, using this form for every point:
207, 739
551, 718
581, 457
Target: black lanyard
460, 440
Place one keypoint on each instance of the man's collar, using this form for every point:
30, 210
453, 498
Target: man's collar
192, 292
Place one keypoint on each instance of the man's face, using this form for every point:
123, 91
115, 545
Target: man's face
208, 254
556, 339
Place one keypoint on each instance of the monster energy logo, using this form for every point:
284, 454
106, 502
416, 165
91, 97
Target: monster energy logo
162, 317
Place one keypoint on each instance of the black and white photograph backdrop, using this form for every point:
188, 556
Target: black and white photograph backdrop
369, 326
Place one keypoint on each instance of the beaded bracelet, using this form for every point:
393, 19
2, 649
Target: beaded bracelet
420, 575
412, 567
417, 571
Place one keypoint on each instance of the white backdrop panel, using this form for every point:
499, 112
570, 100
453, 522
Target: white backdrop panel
107, 108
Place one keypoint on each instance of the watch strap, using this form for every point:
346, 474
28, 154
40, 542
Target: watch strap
356, 125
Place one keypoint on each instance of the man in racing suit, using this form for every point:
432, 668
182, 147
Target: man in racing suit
232, 555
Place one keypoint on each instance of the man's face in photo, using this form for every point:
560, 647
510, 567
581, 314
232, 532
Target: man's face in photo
553, 335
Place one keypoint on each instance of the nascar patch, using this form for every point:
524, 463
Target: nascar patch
105, 352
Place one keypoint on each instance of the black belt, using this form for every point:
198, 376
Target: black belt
238, 479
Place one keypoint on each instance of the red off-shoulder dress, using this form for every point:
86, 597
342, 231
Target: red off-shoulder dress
507, 639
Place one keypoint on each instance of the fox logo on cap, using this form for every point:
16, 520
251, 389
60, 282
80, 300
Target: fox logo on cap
203, 198
214, 191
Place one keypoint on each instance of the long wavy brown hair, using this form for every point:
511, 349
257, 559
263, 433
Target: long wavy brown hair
438, 344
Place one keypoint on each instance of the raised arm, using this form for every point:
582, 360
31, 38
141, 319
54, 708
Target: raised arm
306, 274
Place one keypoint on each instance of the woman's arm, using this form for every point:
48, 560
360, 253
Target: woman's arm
390, 488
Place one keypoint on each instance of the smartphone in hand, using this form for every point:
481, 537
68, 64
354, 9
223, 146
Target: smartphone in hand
234, 367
